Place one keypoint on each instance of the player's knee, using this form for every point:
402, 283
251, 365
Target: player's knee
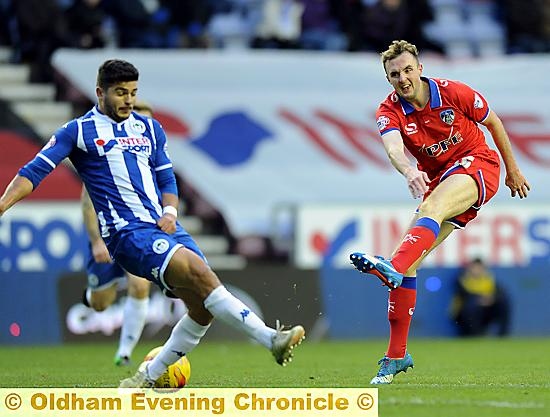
195, 274
431, 209
426, 207
411, 272
139, 294
205, 281
101, 300
140, 290
100, 304
202, 281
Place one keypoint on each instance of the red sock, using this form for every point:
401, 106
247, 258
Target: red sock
418, 239
400, 310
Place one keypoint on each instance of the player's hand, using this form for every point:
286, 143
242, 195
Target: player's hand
517, 184
167, 223
417, 182
100, 252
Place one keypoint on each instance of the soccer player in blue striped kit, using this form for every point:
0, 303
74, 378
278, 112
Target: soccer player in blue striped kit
105, 277
123, 161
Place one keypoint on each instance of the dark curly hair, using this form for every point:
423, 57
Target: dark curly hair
114, 71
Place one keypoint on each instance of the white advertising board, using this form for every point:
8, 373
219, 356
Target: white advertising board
503, 235
36, 236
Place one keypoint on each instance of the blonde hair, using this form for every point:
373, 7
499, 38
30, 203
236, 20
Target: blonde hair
397, 48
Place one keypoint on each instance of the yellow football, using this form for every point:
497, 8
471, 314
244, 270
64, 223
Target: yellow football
176, 376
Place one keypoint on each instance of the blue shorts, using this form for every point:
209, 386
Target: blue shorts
146, 251
102, 275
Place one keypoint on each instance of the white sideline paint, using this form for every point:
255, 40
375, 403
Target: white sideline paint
493, 404
547, 386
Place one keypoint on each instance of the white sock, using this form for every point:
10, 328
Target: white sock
185, 335
133, 321
226, 307
89, 296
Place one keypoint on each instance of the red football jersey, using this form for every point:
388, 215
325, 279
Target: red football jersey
445, 131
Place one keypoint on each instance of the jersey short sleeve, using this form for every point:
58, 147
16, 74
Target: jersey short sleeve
471, 102
386, 118
60, 145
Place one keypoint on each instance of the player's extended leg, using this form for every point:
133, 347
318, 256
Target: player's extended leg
401, 305
133, 318
188, 274
187, 270
450, 198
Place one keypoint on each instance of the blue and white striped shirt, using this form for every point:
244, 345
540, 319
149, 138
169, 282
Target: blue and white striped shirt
124, 166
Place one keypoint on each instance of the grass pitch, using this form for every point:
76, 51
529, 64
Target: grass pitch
451, 378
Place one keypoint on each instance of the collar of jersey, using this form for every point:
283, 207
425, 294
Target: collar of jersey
435, 97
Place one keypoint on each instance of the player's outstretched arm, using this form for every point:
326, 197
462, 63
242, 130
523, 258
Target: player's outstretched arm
18, 189
417, 181
515, 180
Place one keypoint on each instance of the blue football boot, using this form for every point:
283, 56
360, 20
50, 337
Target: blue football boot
391, 367
377, 266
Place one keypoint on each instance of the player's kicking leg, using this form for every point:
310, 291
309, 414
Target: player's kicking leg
187, 334
207, 300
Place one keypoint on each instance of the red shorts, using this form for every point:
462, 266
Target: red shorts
485, 170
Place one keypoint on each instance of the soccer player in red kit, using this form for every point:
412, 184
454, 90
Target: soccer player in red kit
436, 120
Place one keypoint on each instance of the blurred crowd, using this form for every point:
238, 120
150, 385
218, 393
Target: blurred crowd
35, 28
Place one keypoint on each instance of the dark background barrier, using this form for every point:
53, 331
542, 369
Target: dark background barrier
29, 308
342, 303
356, 305
46, 306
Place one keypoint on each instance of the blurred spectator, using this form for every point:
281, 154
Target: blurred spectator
384, 21
4, 22
546, 24
85, 24
527, 25
349, 14
191, 17
38, 28
134, 25
420, 13
387, 20
280, 25
234, 22
479, 302
320, 30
